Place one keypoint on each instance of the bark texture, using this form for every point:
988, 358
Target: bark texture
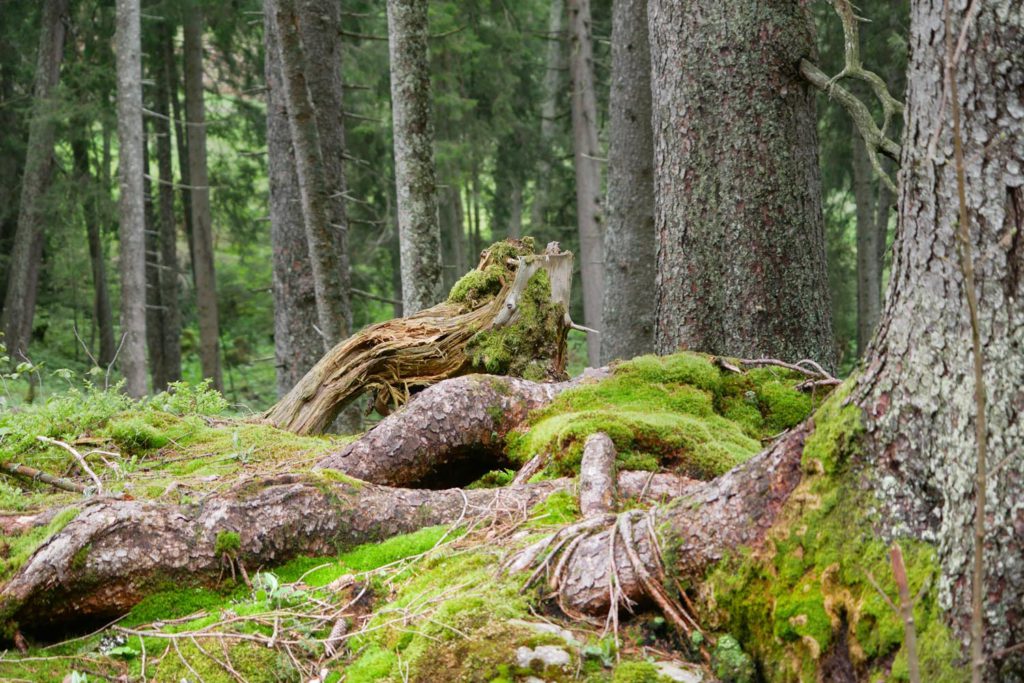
202, 228
321, 213
131, 204
627, 323
297, 346
918, 388
740, 245
553, 77
870, 245
587, 161
415, 176
23, 269
456, 420
598, 495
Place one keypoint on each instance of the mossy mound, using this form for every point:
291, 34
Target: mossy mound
681, 412
808, 596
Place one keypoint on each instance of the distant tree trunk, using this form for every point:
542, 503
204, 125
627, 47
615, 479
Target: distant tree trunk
154, 304
395, 249
180, 136
869, 254
297, 345
515, 214
131, 211
555, 61
168, 238
102, 314
420, 234
23, 273
627, 326
202, 230
741, 252
586, 157
918, 389
330, 279
11, 155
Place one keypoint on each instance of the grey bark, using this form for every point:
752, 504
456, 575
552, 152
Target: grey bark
298, 345
918, 389
131, 204
26, 252
167, 280
202, 229
103, 316
180, 136
154, 308
869, 253
553, 76
627, 325
415, 176
598, 494
738, 220
586, 159
319, 211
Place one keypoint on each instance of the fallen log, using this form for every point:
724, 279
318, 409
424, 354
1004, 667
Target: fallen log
508, 316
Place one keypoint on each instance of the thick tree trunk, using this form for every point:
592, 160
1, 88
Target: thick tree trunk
103, 317
553, 76
587, 161
170, 340
741, 252
23, 271
919, 386
199, 182
869, 253
319, 210
422, 277
627, 325
131, 212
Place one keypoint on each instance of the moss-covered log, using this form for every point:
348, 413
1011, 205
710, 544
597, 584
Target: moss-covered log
508, 316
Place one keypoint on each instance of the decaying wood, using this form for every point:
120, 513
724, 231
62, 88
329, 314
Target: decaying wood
117, 551
26, 472
597, 476
462, 417
398, 357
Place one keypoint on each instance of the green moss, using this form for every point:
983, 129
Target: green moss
730, 663
228, 542
172, 604
374, 664
477, 286
635, 672
21, 547
561, 507
79, 558
134, 434
787, 602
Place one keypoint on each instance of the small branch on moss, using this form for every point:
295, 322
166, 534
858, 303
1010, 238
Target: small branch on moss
79, 457
817, 375
31, 473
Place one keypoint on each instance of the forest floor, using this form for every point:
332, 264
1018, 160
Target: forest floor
430, 605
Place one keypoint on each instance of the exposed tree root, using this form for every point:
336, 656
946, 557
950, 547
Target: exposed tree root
450, 420
597, 476
398, 357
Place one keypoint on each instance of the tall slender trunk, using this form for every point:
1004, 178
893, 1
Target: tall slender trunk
627, 326
330, 279
741, 249
415, 176
131, 204
586, 158
515, 212
168, 238
869, 265
180, 136
395, 249
202, 230
297, 345
553, 75
26, 253
103, 317
154, 303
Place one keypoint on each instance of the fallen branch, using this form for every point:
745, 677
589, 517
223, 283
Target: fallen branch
78, 456
32, 474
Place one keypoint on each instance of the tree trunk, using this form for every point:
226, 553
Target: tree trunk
168, 238
553, 74
102, 314
154, 304
741, 251
919, 387
587, 161
422, 277
131, 211
180, 136
627, 326
330, 279
202, 230
23, 272
869, 265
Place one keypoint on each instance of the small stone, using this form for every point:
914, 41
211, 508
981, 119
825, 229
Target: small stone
546, 655
680, 672
552, 629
